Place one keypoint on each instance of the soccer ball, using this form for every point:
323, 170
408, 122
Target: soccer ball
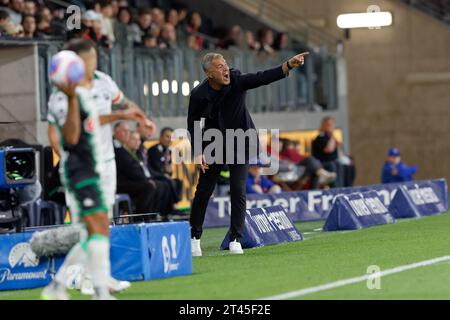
66, 66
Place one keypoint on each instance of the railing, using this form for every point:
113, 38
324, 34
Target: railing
160, 80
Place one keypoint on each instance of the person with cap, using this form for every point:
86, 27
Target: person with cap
92, 21
394, 170
259, 184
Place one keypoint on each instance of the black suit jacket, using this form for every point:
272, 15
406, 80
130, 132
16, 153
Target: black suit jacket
227, 109
128, 168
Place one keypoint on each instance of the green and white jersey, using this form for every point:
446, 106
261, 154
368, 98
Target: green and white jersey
87, 155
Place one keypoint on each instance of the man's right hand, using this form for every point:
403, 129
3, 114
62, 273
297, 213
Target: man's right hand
67, 88
200, 163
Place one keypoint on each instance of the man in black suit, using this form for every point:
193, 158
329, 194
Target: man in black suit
133, 178
159, 162
220, 100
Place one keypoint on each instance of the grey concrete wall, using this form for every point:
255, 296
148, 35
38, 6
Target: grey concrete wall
398, 85
18, 93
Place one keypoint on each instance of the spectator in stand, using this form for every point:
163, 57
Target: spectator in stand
43, 22
30, 8
7, 28
158, 17
281, 41
265, 37
107, 20
195, 38
325, 146
159, 156
149, 41
172, 17
144, 22
236, 37
252, 44
115, 8
232, 37
257, 183
313, 168
134, 178
168, 37
160, 162
29, 26
15, 11
93, 24
126, 32
394, 170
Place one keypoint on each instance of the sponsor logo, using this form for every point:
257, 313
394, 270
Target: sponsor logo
169, 252
89, 125
367, 206
88, 202
271, 221
421, 196
22, 257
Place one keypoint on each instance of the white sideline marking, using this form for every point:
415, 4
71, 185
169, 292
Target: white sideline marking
344, 282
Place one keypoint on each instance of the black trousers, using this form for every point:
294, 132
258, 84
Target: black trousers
206, 184
311, 165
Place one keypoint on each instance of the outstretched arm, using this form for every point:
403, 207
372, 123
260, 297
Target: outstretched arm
255, 80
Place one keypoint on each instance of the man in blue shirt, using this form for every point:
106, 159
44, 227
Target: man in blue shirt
394, 170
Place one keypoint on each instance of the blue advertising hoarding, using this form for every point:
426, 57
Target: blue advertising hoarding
266, 226
357, 211
312, 204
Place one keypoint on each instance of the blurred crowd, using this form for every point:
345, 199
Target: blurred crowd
131, 23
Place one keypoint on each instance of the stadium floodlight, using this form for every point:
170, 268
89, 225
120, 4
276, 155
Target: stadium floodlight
196, 83
185, 88
165, 86
364, 20
145, 89
174, 86
155, 88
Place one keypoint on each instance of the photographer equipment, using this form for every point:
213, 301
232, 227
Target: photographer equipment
17, 172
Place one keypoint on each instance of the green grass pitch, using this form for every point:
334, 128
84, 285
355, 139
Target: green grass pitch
322, 258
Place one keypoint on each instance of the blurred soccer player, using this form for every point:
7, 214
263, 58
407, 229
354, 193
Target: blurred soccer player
101, 94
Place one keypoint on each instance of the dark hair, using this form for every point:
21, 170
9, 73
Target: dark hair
262, 33
4, 14
277, 42
79, 45
163, 130
104, 3
143, 11
28, 16
121, 9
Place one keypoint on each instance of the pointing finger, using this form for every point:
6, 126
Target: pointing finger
303, 54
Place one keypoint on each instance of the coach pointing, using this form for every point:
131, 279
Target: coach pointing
220, 99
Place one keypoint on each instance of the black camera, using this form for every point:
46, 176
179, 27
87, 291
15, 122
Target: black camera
17, 171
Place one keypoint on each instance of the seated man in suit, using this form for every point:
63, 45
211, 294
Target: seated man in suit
160, 161
133, 178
